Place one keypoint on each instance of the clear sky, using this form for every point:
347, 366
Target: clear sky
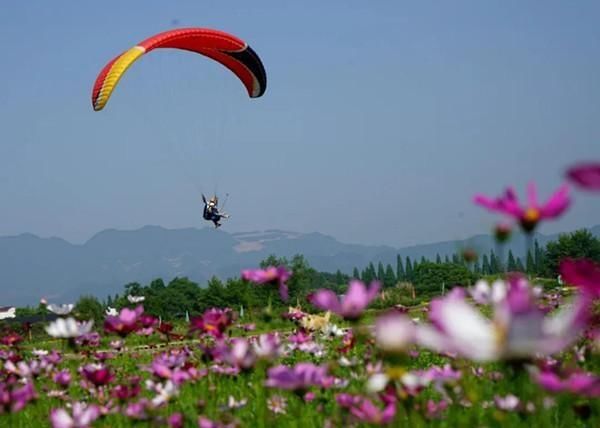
380, 120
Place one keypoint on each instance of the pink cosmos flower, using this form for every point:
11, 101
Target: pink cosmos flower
271, 275
127, 391
176, 420
582, 272
585, 384
204, 422
585, 175
125, 323
352, 305
83, 416
241, 354
62, 378
138, 410
14, 398
364, 410
10, 339
297, 378
518, 329
532, 213
213, 322
97, 374
267, 346
91, 339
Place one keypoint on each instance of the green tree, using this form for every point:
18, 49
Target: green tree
408, 269
389, 278
578, 244
430, 276
494, 263
485, 265
355, 273
380, 271
400, 269
519, 265
89, 308
538, 257
438, 259
530, 264
512, 264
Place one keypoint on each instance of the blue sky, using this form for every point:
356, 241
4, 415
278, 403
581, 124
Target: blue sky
380, 120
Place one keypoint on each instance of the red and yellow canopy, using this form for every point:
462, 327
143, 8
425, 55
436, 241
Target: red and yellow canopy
233, 53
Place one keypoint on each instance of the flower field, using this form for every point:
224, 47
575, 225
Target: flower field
502, 353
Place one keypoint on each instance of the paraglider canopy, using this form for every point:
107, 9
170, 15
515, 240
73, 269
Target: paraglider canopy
230, 51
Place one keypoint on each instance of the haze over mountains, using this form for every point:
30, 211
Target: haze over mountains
32, 267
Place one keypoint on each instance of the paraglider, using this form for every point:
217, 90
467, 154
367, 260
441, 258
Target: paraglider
211, 211
228, 50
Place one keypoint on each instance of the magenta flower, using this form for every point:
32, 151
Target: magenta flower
148, 321
125, 322
586, 176
297, 378
91, 339
97, 374
352, 305
204, 422
364, 410
14, 398
532, 213
126, 392
213, 322
584, 273
10, 339
271, 275
585, 384
137, 411
176, 420
62, 378
434, 410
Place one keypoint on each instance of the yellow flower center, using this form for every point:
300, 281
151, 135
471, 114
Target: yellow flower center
396, 372
532, 215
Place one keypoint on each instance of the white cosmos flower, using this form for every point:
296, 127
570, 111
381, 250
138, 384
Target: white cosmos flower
518, 328
485, 294
60, 309
112, 312
377, 382
164, 392
68, 328
332, 330
135, 299
394, 332
8, 313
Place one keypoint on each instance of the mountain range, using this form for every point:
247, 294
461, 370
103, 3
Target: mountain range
32, 267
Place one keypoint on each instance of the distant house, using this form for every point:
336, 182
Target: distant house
7, 312
33, 319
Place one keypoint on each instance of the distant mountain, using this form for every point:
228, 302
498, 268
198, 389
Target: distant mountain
32, 267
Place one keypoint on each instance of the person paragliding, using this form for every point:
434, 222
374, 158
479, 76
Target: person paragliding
211, 211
